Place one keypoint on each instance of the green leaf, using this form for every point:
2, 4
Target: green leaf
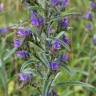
43, 59
26, 64
9, 54
42, 3
32, 44
64, 14
77, 83
70, 72
59, 34
46, 84
0, 63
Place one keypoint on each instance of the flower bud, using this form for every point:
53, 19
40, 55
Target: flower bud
22, 54
25, 77
94, 39
56, 44
88, 16
17, 43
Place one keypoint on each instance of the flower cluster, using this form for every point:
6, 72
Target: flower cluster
23, 35
63, 24
90, 17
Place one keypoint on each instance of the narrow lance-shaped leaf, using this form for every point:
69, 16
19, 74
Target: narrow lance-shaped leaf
9, 54
71, 72
77, 83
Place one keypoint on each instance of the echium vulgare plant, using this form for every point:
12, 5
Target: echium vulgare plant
43, 46
46, 47
44, 43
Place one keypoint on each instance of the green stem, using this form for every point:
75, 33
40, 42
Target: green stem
3, 69
46, 84
4, 79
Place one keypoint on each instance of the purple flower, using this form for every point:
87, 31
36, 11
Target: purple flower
66, 40
36, 20
54, 66
64, 58
88, 16
17, 43
61, 3
3, 31
89, 27
56, 44
64, 3
24, 32
64, 23
25, 77
28, 32
94, 39
1, 7
21, 32
93, 5
54, 2
22, 54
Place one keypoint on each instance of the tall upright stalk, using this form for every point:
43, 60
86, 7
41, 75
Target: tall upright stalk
3, 70
46, 83
4, 79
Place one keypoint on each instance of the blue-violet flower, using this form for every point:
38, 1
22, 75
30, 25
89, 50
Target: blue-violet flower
88, 15
93, 5
22, 54
25, 77
17, 43
64, 23
54, 66
56, 44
